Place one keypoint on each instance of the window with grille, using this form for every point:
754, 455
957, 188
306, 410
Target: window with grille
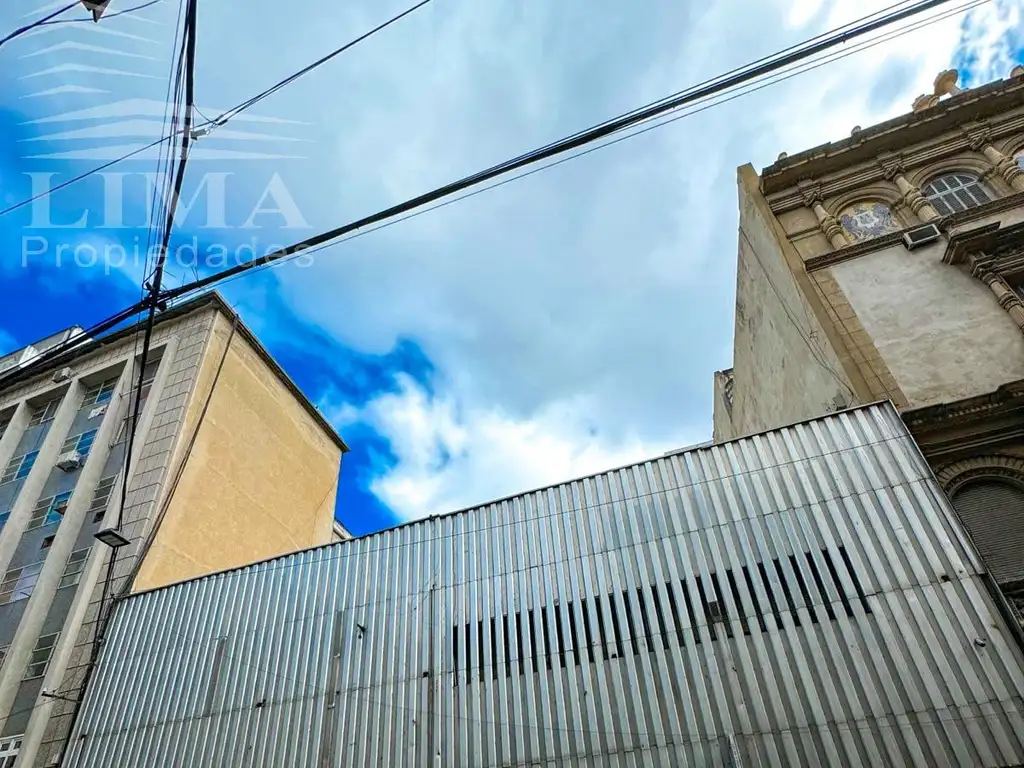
100, 497
955, 192
100, 394
82, 443
40, 658
9, 749
18, 583
19, 467
73, 570
993, 512
44, 413
49, 510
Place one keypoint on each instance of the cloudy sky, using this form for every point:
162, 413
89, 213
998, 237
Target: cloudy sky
558, 325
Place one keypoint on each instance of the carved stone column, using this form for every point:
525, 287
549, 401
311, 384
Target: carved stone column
1003, 166
892, 168
1005, 295
829, 226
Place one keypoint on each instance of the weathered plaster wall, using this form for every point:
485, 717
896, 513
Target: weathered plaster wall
722, 426
261, 478
939, 331
785, 366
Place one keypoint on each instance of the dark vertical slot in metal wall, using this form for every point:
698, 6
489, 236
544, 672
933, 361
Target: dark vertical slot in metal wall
587, 633
856, 581
619, 651
803, 588
545, 632
494, 650
789, 595
627, 608
690, 612
644, 619
771, 595
533, 640
708, 617
659, 617
455, 653
739, 603
830, 564
559, 635
820, 583
480, 648
674, 608
753, 596
574, 635
601, 628
720, 599
519, 643
508, 647
469, 651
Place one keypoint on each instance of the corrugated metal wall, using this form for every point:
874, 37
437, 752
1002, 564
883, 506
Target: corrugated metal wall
801, 597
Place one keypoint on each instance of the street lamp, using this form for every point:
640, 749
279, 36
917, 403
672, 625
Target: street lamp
113, 538
97, 7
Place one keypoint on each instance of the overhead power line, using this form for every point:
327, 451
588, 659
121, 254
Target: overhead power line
224, 117
603, 130
38, 23
698, 98
702, 106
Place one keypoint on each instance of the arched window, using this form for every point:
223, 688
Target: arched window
955, 192
993, 512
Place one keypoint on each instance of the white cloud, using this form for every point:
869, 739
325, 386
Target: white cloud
450, 456
574, 317
596, 296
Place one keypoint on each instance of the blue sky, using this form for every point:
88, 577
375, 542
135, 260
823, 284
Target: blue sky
556, 326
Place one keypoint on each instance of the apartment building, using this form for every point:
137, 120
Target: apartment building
231, 465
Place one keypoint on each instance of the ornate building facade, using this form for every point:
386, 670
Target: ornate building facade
890, 266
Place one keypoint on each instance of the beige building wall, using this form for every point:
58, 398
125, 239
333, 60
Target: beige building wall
940, 332
260, 474
785, 368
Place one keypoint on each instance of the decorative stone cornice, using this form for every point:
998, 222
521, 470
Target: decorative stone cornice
892, 165
810, 193
978, 134
964, 427
945, 224
994, 106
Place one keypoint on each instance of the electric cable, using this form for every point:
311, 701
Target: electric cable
224, 117
36, 24
577, 140
106, 17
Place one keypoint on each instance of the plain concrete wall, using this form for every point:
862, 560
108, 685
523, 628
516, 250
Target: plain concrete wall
261, 478
940, 331
778, 378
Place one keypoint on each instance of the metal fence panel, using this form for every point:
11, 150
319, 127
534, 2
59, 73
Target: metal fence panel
800, 597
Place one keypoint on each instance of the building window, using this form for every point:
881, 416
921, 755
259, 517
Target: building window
40, 658
955, 192
19, 467
49, 510
5, 515
3, 654
992, 510
100, 394
9, 749
44, 413
100, 497
81, 443
18, 583
73, 570
3, 426
867, 220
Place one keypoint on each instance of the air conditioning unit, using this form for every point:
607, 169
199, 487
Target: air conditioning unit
69, 461
915, 238
64, 374
99, 410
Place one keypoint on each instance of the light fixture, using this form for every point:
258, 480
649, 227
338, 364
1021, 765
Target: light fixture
113, 538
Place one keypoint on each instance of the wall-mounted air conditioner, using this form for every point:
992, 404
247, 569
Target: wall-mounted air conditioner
99, 410
915, 238
64, 374
69, 461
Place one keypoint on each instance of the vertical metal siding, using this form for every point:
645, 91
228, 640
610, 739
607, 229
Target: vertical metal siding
800, 597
